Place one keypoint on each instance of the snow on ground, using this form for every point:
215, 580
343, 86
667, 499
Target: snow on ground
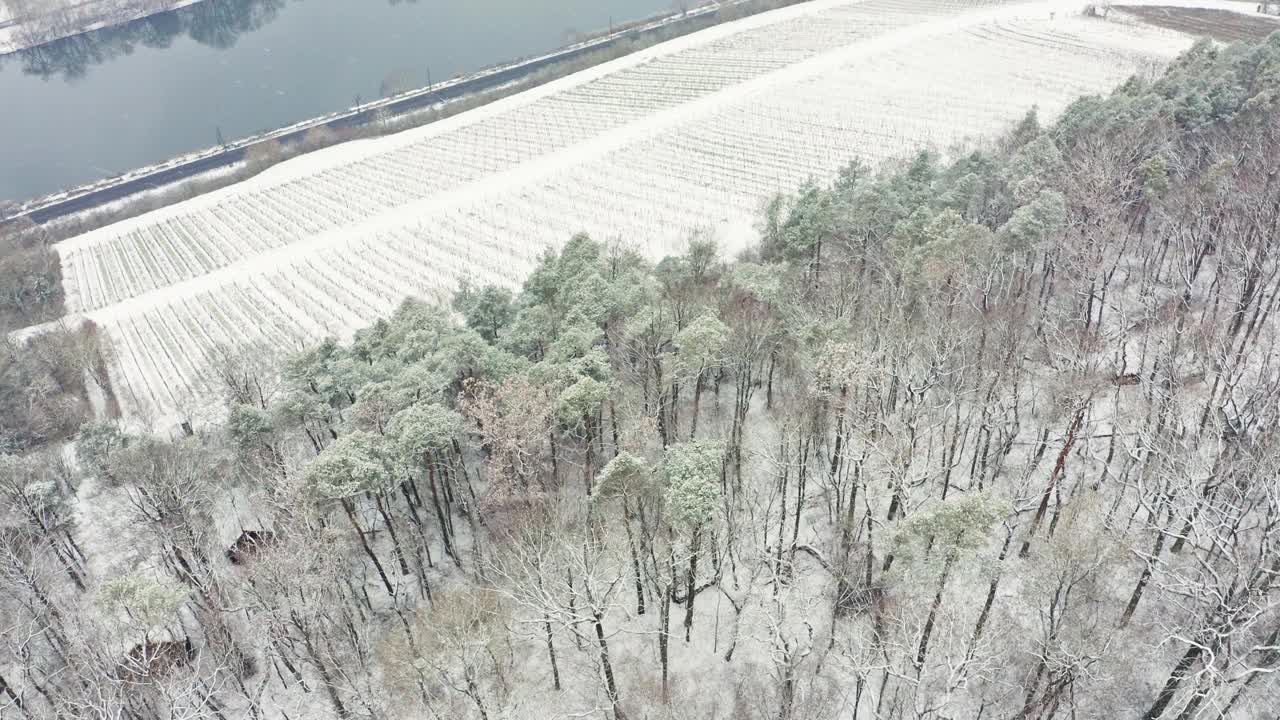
689, 135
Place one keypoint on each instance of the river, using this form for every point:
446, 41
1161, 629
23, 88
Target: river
105, 102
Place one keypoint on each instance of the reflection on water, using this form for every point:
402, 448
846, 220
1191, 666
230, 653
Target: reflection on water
103, 103
216, 23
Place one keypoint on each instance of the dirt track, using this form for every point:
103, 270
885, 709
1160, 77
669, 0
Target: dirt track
1222, 25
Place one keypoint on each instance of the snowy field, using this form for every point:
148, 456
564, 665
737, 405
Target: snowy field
691, 135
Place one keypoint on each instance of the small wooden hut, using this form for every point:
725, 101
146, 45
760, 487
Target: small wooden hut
243, 526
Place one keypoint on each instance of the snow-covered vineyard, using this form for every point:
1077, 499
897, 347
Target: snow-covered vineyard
690, 135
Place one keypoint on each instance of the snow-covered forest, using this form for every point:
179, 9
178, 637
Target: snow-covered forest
693, 133
991, 437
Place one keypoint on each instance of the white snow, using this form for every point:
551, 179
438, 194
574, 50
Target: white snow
691, 134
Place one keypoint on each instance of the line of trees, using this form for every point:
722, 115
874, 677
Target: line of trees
992, 437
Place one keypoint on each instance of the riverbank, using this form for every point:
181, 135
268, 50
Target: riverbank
113, 199
19, 33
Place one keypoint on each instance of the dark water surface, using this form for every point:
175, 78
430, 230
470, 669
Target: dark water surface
106, 102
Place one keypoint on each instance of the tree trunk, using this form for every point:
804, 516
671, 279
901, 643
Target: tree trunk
1180, 672
690, 579
1143, 579
588, 471
787, 694
474, 693
664, 432
674, 408
555, 458
664, 638
613, 423
364, 543
838, 447
991, 597
768, 392
445, 533
573, 610
325, 677
611, 686
13, 697
635, 557
380, 500
1053, 479
802, 476
895, 502
551, 652
697, 402
923, 650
